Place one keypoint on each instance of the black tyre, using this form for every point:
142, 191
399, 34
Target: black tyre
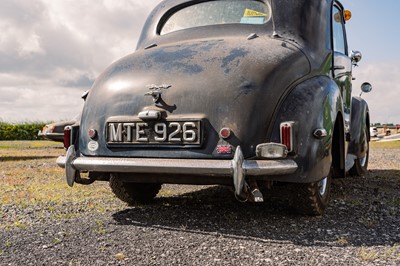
312, 198
132, 193
361, 164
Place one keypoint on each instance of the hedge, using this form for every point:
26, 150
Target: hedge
26, 131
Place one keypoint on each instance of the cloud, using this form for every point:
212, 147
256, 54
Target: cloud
82, 81
383, 99
51, 51
35, 104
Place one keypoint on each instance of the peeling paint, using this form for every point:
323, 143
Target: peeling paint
234, 56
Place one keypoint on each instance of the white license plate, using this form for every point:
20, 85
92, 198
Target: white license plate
154, 133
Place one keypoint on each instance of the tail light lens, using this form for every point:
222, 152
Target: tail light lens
287, 135
70, 135
67, 137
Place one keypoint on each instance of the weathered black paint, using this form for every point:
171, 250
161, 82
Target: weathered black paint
229, 91
220, 76
315, 103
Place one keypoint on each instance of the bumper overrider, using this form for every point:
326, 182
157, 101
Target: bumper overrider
238, 168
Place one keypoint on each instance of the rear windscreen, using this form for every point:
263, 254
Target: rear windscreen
216, 13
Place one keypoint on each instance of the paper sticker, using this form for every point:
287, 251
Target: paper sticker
253, 13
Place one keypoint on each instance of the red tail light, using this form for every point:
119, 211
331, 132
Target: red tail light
67, 136
287, 135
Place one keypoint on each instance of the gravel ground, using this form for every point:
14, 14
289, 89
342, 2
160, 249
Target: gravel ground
192, 225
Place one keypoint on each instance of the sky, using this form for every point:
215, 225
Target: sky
51, 51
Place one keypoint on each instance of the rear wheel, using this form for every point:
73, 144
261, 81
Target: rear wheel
132, 193
312, 198
361, 164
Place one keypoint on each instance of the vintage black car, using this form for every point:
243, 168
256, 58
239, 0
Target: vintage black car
245, 93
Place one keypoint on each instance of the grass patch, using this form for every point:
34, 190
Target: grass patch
31, 180
21, 144
166, 193
385, 144
367, 255
343, 240
100, 229
386, 254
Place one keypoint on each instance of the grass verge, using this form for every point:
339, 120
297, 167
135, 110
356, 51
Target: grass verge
32, 182
385, 144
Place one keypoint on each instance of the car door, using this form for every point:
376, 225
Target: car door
342, 66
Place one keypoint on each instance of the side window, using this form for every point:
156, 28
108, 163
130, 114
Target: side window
338, 34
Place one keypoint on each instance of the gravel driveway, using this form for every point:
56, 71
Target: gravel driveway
192, 225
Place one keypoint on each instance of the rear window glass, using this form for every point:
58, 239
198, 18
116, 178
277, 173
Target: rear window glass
218, 12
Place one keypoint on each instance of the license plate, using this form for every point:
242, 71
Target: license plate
154, 133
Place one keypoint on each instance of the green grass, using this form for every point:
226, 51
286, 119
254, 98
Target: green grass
386, 253
21, 144
385, 144
30, 178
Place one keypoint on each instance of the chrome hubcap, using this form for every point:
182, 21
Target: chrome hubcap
363, 160
322, 186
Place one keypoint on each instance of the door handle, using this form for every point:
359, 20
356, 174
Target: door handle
338, 67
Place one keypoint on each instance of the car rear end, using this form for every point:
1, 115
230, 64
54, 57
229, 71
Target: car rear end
197, 107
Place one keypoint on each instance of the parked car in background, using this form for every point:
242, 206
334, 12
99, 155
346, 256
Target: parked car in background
373, 132
238, 92
55, 131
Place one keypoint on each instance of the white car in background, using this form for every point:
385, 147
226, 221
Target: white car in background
373, 131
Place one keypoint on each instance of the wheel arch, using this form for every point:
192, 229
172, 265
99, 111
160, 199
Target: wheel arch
315, 104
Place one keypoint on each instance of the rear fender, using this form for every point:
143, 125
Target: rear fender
359, 125
313, 104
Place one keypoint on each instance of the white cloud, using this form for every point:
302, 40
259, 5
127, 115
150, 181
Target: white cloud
383, 100
51, 51
31, 46
38, 104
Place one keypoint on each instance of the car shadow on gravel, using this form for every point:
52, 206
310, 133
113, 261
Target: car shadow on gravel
362, 212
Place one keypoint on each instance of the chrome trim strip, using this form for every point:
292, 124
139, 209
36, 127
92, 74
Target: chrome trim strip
41, 134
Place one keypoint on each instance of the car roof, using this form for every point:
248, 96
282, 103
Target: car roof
306, 21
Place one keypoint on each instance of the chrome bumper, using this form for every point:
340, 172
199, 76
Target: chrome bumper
42, 134
238, 168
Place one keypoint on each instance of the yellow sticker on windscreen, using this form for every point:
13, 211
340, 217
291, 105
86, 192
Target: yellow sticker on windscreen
253, 13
